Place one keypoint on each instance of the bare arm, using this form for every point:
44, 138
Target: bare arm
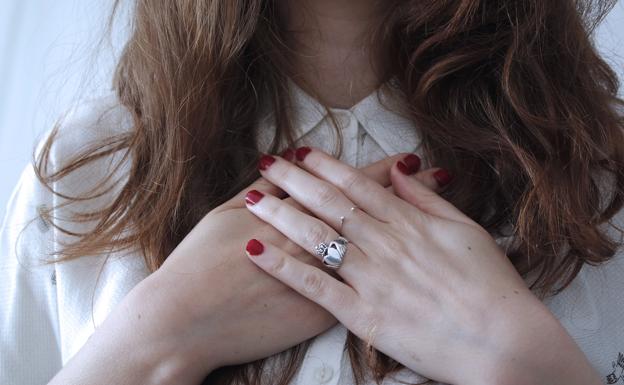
123, 351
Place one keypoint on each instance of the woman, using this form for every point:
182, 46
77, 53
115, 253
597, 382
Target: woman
499, 265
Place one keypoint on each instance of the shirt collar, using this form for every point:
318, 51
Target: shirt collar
382, 114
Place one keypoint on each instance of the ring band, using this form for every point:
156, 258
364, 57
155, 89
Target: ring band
332, 253
342, 218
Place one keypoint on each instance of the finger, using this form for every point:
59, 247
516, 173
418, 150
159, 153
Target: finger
261, 184
323, 199
380, 170
417, 193
426, 177
303, 229
362, 190
336, 297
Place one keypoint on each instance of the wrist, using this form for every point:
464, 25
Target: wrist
173, 355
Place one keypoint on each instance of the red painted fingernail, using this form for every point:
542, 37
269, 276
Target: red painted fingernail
288, 154
443, 177
302, 152
403, 168
265, 162
412, 162
254, 247
253, 197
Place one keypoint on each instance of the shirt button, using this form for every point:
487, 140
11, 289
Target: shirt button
323, 374
44, 217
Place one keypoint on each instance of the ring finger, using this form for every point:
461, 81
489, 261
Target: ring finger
305, 230
322, 198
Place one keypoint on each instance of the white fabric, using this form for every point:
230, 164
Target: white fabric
48, 312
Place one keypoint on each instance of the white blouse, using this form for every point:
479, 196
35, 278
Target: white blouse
47, 312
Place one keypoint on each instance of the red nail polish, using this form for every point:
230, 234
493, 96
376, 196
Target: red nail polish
253, 197
302, 152
254, 247
265, 162
288, 154
412, 162
443, 177
403, 168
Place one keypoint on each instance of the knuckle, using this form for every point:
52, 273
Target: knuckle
314, 161
392, 245
278, 266
341, 301
325, 195
367, 322
316, 234
350, 180
313, 284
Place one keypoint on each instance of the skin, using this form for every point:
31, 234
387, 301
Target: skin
187, 317
333, 52
202, 310
455, 309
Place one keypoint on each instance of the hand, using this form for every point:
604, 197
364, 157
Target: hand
244, 314
423, 283
207, 307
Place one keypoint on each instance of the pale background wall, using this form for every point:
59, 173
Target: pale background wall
47, 61
49, 57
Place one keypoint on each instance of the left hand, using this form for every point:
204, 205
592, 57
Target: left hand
422, 282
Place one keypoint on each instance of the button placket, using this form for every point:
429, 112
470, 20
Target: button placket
348, 126
323, 373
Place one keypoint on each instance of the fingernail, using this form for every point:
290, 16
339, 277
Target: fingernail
265, 162
443, 177
288, 154
253, 197
403, 168
302, 152
412, 162
254, 247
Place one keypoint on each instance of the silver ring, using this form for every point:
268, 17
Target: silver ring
342, 218
332, 253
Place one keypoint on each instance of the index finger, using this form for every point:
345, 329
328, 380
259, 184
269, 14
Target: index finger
378, 171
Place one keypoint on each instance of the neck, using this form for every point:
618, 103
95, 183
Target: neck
334, 58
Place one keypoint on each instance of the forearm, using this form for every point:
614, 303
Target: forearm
540, 353
124, 351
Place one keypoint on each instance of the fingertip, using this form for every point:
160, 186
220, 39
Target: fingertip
302, 152
413, 162
253, 196
402, 167
443, 177
254, 247
265, 162
288, 154
409, 164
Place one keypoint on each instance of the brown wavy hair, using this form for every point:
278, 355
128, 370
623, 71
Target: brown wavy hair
511, 96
